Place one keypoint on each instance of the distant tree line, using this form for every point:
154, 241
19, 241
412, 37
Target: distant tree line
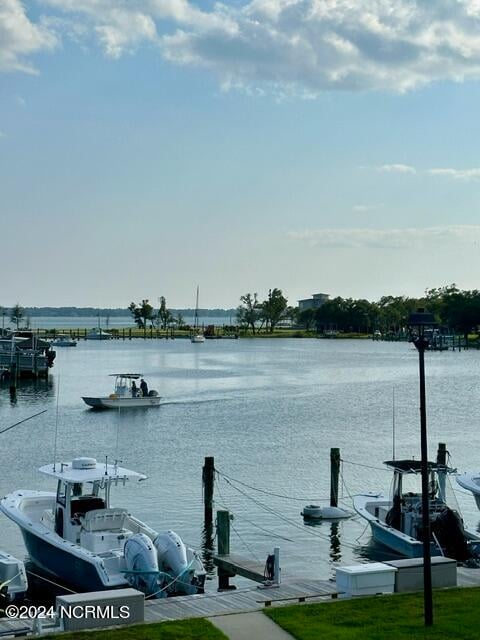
82, 312
453, 309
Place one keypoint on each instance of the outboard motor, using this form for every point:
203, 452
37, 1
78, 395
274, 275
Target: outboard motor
448, 527
172, 559
142, 564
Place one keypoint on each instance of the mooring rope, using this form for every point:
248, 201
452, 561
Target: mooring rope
270, 493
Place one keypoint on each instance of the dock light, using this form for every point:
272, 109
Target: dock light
420, 326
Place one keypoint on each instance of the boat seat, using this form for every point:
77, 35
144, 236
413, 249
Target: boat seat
104, 520
82, 505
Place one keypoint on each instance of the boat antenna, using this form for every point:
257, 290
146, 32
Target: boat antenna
106, 465
56, 427
393, 423
22, 421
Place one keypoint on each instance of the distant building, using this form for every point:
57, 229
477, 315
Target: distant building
314, 302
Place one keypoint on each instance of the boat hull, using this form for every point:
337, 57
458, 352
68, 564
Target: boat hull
122, 403
64, 566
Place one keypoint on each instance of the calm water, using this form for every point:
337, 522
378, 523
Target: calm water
269, 411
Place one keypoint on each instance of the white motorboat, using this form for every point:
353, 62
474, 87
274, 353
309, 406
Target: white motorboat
78, 538
197, 335
471, 482
63, 340
397, 522
98, 334
126, 395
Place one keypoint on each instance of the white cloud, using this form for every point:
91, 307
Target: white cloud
300, 47
396, 168
457, 174
20, 38
407, 238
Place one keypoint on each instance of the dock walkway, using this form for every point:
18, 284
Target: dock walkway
235, 601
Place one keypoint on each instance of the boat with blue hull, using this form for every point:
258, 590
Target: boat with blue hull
396, 523
78, 538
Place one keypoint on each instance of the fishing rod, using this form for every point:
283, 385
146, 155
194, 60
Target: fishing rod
22, 421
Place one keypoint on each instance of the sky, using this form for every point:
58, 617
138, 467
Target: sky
150, 146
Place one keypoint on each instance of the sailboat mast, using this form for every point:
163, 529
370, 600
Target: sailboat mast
196, 311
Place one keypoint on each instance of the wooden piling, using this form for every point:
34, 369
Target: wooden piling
442, 454
208, 478
334, 475
223, 546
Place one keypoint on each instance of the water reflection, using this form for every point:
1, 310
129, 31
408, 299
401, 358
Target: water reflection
29, 389
335, 550
208, 548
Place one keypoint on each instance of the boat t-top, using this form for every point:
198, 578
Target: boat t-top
397, 523
126, 394
79, 538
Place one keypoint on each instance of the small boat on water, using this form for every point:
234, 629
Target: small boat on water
126, 394
397, 522
63, 340
77, 537
98, 334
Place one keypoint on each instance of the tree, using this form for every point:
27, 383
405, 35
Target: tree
164, 315
306, 318
273, 308
16, 314
248, 313
180, 320
141, 314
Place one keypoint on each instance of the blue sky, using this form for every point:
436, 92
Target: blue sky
313, 145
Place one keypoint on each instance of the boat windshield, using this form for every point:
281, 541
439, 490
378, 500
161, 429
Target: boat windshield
410, 484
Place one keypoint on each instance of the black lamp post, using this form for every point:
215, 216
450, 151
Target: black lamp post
418, 324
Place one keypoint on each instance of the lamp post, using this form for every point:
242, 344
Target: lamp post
418, 322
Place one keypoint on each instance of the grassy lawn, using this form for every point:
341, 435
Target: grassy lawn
400, 617
193, 629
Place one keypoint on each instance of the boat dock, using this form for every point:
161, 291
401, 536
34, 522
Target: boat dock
235, 601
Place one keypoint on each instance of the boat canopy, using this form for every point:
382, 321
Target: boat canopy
89, 470
414, 466
132, 376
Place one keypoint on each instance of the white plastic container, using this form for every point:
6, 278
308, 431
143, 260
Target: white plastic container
366, 579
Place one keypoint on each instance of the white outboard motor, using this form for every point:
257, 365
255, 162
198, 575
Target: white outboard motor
172, 559
141, 563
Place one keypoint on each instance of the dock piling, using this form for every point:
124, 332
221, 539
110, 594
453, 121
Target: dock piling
334, 475
208, 478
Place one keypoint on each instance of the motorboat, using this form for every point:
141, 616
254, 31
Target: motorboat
197, 335
98, 334
471, 482
76, 536
397, 522
126, 395
63, 340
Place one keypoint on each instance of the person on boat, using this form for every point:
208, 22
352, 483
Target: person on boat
134, 389
144, 388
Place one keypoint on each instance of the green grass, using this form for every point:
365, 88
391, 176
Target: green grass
399, 617
193, 629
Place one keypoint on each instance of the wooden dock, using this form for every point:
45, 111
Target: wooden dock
233, 565
236, 601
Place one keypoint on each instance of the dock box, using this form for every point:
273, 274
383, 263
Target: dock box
409, 576
100, 609
366, 579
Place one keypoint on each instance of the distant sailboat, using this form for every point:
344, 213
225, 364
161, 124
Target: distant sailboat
197, 335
